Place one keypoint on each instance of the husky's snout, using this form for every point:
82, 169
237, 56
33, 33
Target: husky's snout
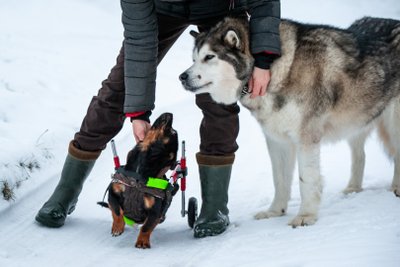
187, 83
184, 80
183, 77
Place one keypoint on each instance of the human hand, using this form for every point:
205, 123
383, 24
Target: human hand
140, 129
259, 81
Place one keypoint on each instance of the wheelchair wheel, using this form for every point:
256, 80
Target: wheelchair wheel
192, 211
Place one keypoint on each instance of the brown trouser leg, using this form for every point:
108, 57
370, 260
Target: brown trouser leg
219, 127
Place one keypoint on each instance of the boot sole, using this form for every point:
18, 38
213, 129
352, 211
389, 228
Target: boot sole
48, 222
201, 233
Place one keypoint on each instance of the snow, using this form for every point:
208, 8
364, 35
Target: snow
54, 55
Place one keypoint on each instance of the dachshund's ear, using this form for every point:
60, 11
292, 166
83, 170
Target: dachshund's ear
194, 34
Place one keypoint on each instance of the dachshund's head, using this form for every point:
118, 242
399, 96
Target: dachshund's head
157, 153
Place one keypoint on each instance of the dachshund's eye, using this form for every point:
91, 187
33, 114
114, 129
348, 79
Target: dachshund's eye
208, 57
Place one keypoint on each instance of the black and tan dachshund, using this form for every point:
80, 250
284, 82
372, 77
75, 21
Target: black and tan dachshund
139, 192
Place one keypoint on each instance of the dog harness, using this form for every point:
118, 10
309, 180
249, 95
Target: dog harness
135, 188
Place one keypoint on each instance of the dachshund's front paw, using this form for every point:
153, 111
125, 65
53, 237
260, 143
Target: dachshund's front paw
117, 229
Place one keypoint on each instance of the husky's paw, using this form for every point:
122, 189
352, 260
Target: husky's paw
303, 220
350, 190
269, 214
396, 190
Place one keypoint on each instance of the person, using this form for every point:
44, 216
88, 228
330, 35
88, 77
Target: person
150, 29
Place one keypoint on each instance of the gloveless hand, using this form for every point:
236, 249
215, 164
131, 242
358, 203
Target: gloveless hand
140, 129
259, 81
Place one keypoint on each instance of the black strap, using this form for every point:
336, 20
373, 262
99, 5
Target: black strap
132, 174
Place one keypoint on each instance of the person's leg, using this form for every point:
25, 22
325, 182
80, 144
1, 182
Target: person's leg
77, 167
104, 119
218, 132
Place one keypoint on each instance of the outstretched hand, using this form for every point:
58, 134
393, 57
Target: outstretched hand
259, 81
140, 129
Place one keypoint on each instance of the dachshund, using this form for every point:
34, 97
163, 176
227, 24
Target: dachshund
140, 192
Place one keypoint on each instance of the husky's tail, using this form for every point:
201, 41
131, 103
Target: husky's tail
395, 39
379, 29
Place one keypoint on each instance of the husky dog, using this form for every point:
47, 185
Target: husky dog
328, 84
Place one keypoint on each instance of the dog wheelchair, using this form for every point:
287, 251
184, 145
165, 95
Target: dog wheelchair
179, 174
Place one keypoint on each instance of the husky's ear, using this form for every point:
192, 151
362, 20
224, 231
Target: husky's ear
194, 34
232, 40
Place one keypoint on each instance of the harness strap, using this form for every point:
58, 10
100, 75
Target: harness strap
153, 182
128, 221
132, 174
154, 186
158, 187
157, 183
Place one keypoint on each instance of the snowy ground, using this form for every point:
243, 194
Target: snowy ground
53, 56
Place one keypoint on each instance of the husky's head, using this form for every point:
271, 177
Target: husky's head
222, 62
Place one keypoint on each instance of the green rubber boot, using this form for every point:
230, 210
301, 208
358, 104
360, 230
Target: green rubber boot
215, 173
77, 167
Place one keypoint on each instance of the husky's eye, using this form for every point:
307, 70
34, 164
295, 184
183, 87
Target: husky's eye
208, 57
